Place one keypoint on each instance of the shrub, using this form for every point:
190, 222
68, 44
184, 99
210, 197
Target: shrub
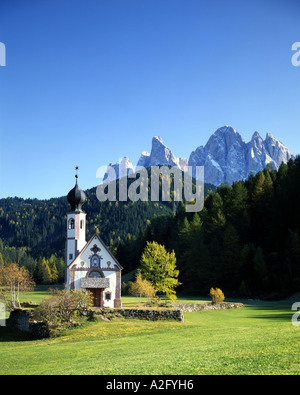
216, 295
141, 287
47, 312
63, 308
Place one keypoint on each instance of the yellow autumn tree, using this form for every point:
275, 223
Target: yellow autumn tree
141, 287
13, 280
217, 295
159, 267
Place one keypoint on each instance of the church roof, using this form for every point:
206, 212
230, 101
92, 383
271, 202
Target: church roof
76, 197
89, 243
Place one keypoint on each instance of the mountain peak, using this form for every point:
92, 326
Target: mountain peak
228, 158
160, 155
157, 138
256, 135
118, 170
227, 129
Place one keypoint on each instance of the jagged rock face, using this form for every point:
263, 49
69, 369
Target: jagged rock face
121, 169
183, 163
227, 157
160, 155
144, 159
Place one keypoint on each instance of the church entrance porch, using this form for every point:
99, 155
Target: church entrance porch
97, 294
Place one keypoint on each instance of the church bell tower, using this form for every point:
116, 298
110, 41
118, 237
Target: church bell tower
76, 226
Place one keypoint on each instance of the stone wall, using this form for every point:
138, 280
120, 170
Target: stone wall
190, 307
143, 314
22, 320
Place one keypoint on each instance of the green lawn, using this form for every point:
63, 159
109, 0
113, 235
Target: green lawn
256, 339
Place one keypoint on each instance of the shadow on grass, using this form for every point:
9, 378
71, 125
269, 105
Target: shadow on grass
275, 310
287, 317
8, 335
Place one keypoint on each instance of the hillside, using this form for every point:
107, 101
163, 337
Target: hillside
40, 225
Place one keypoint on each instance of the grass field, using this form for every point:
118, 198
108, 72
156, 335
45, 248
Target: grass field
256, 339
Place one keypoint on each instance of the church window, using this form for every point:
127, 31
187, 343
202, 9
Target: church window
71, 223
94, 274
95, 261
70, 256
81, 224
108, 296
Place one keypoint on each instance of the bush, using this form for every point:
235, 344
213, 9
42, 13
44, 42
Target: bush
63, 308
216, 295
141, 287
47, 312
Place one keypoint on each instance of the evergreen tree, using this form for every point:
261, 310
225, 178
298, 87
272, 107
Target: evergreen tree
1, 260
231, 254
260, 269
45, 272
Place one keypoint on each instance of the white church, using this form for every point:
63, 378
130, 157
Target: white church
89, 265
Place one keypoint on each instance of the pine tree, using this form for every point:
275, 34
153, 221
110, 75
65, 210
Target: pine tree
292, 256
258, 188
231, 254
1, 260
260, 269
46, 272
53, 269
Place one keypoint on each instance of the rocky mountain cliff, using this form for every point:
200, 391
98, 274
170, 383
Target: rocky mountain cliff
160, 155
226, 157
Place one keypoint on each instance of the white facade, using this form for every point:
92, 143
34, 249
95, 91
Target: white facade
90, 265
96, 270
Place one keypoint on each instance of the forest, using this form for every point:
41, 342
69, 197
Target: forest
245, 240
32, 231
40, 225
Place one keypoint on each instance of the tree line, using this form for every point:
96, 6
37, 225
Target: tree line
40, 225
33, 231
42, 270
245, 240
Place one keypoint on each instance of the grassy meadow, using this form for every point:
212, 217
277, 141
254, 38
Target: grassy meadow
256, 339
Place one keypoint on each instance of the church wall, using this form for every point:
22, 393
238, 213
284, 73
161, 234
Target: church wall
83, 258
108, 268
111, 275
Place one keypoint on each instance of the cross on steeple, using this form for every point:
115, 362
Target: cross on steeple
76, 175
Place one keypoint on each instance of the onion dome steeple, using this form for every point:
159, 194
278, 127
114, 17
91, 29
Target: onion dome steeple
76, 197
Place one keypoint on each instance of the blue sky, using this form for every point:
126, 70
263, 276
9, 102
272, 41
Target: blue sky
87, 82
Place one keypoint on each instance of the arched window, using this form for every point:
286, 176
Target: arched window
95, 261
71, 223
94, 274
